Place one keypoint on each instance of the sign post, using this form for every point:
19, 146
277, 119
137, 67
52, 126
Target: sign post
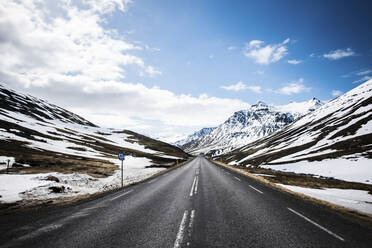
121, 158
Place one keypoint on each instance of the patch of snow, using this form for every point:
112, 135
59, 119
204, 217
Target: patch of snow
353, 170
11, 186
358, 200
34, 186
263, 175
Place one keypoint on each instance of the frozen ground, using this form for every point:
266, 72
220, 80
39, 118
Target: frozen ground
34, 186
344, 168
358, 200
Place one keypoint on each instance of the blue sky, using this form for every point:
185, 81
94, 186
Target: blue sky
194, 37
168, 68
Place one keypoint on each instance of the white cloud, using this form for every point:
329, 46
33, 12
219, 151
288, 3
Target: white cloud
140, 104
254, 88
294, 87
265, 54
336, 92
260, 72
362, 80
65, 55
152, 72
364, 72
41, 44
294, 61
312, 55
230, 48
339, 54
242, 86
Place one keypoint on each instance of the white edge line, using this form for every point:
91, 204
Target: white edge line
151, 181
129, 191
259, 191
192, 187
181, 230
316, 224
238, 178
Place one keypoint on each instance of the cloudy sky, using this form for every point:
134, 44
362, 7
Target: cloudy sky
172, 67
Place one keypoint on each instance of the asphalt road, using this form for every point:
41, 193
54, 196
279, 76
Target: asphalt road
197, 205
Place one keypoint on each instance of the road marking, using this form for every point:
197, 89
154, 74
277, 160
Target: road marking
192, 187
121, 195
181, 231
228, 172
259, 191
40, 231
191, 224
151, 181
196, 186
192, 215
238, 178
316, 224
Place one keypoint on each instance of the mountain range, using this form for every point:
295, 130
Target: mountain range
246, 126
333, 140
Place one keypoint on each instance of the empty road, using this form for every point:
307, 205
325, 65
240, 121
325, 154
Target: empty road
197, 205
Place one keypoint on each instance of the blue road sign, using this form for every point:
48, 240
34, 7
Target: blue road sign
121, 156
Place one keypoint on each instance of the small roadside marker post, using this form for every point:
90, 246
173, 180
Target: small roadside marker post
7, 167
121, 158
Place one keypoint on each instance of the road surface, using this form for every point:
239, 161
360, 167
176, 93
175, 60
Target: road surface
197, 205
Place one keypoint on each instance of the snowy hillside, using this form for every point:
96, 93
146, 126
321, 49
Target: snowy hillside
298, 109
197, 135
39, 137
334, 140
248, 125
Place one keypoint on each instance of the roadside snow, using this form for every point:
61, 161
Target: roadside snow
34, 186
4, 162
11, 186
263, 175
358, 200
348, 169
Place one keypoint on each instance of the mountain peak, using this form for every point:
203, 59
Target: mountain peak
260, 105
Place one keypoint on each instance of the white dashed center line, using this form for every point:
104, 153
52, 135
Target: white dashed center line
196, 186
181, 231
238, 178
192, 187
259, 191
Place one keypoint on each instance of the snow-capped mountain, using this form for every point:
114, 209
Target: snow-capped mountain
248, 125
241, 128
333, 140
298, 109
197, 135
